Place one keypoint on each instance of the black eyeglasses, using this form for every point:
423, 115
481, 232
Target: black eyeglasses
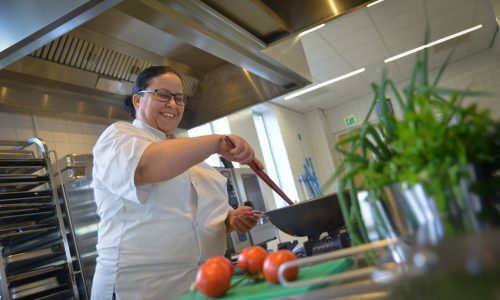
164, 95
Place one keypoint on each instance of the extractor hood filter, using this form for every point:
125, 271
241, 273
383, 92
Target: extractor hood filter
118, 70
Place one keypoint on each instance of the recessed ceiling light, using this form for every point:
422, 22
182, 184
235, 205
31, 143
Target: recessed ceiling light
311, 30
376, 2
317, 86
433, 43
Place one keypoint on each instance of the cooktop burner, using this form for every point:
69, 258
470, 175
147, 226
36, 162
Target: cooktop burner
327, 242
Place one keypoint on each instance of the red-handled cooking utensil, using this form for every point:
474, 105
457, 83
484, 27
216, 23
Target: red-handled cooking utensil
263, 175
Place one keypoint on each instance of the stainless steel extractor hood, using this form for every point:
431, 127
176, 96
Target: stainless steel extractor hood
232, 54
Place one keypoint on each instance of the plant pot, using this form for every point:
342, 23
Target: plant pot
409, 213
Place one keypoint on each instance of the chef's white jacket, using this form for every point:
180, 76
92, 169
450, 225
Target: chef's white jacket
152, 237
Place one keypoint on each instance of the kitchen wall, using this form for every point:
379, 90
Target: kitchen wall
241, 123
287, 153
317, 128
290, 124
62, 135
315, 142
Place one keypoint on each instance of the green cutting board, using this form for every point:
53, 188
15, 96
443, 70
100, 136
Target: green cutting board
249, 290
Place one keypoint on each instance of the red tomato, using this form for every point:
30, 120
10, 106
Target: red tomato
222, 259
242, 260
213, 279
273, 263
252, 259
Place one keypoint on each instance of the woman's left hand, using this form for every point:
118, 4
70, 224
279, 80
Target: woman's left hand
242, 219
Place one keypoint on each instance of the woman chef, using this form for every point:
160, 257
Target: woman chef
163, 210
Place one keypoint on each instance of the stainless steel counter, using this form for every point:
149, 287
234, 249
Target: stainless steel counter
466, 267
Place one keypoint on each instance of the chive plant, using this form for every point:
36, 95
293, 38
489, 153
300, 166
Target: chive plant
432, 143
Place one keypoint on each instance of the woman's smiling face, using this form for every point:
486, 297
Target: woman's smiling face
164, 116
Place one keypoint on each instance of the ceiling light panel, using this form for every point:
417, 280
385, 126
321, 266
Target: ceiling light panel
460, 17
375, 3
311, 30
320, 54
406, 19
405, 35
436, 8
312, 41
376, 46
329, 69
346, 25
392, 8
355, 39
322, 84
433, 43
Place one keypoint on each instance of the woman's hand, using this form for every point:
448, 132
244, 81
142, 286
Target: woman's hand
240, 151
242, 219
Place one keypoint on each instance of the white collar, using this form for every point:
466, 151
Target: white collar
156, 132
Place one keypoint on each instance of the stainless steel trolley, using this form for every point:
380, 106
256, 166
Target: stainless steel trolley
35, 261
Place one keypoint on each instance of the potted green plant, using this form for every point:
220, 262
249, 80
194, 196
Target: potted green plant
430, 150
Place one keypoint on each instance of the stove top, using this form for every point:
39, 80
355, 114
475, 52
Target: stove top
322, 243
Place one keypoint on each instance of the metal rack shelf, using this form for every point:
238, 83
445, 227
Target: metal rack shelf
35, 261
21, 182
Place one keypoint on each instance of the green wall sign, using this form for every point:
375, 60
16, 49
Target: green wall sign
350, 120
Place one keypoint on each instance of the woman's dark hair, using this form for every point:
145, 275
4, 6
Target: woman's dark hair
142, 82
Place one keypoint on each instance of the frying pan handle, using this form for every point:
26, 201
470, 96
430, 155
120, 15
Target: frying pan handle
262, 175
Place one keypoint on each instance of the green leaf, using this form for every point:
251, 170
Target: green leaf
442, 68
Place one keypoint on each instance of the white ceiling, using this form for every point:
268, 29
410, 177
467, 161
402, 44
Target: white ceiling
368, 36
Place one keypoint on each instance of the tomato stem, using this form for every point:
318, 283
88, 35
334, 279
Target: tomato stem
192, 290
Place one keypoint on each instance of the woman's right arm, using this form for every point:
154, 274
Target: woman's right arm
167, 159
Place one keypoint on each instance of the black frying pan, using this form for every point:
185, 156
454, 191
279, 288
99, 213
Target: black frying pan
307, 218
